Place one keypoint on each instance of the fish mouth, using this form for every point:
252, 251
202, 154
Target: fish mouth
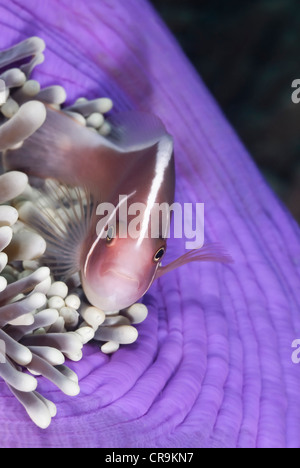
123, 276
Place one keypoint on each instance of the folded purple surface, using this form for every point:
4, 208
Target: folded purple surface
212, 365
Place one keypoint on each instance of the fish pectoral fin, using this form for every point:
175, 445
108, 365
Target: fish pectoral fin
211, 252
62, 216
135, 131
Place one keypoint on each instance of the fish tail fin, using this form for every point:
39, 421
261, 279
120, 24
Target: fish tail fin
53, 150
211, 252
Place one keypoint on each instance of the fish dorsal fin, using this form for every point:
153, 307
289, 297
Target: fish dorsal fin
62, 145
134, 131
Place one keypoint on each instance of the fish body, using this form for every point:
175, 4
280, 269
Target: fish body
117, 265
137, 163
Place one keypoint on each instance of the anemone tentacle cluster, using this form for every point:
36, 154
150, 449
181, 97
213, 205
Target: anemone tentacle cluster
22, 111
25, 320
42, 321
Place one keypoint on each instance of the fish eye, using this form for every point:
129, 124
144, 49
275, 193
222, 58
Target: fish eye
159, 254
110, 236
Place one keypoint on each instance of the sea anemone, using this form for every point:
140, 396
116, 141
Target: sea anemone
40, 322
212, 366
24, 318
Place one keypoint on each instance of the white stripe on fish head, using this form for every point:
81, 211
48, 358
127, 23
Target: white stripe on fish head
163, 158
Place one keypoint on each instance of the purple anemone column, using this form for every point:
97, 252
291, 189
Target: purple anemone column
212, 365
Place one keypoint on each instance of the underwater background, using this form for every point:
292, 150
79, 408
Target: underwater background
248, 54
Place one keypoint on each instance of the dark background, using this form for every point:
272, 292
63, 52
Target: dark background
248, 54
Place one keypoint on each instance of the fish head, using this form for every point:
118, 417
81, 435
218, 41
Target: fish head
118, 269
